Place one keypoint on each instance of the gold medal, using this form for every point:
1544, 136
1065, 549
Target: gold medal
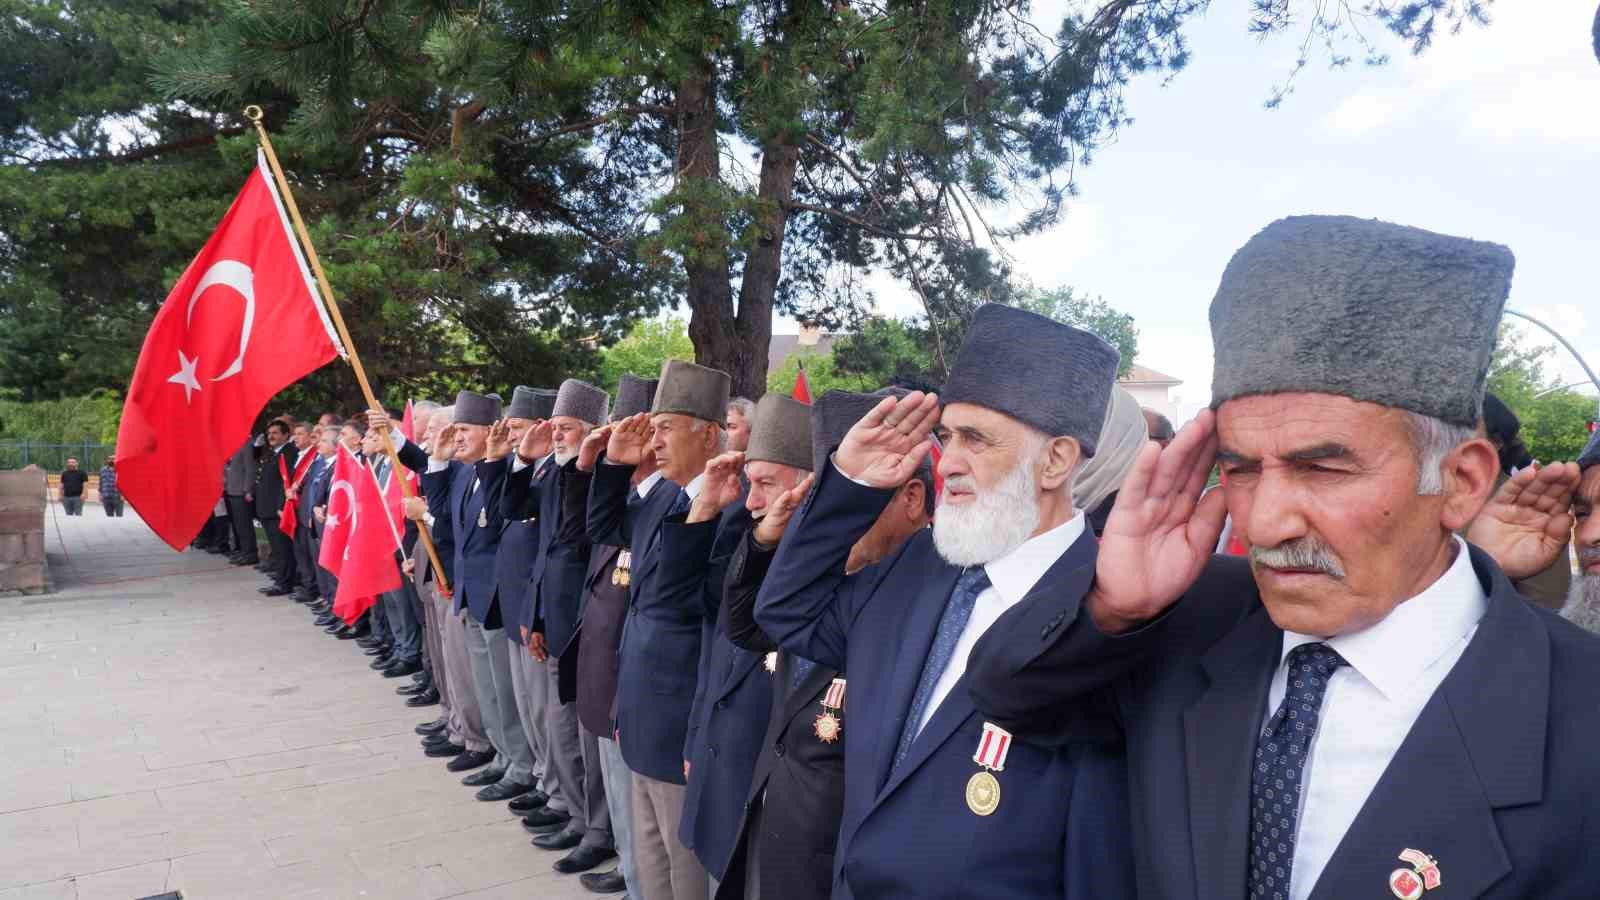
983, 793
827, 727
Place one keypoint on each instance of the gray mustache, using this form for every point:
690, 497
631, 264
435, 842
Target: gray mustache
1588, 556
1300, 553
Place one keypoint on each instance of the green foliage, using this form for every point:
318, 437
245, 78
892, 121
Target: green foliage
93, 418
1554, 426
649, 343
885, 351
1096, 316
823, 374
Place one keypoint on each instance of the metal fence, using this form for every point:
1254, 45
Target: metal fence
53, 457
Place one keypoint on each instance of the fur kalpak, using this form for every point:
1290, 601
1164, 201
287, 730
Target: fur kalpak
1363, 309
691, 390
780, 432
531, 403
1051, 376
582, 401
634, 396
473, 408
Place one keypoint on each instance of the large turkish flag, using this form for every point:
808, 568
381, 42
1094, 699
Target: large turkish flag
242, 324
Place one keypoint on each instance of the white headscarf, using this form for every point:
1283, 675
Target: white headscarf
1122, 434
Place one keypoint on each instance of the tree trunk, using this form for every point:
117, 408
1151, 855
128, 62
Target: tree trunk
763, 266
712, 323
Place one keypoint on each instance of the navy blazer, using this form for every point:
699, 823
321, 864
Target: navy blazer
415, 458
319, 472
515, 562
554, 604
1061, 829
660, 652
452, 502
1496, 780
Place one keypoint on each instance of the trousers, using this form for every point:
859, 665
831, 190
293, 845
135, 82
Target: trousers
618, 781
530, 689
667, 869
575, 763
400, 611
244, 529
466, 720
488, 650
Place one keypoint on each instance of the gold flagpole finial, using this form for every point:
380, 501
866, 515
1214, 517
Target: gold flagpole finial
253, 113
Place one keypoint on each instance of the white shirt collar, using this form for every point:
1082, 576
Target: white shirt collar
644, 487
1015, 574
280, 447
694, 486
1392, 653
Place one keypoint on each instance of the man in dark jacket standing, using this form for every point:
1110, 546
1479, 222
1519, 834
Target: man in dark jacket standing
72, 481
238, 480
110, 497
272, 483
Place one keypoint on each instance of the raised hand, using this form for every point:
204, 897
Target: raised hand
593, 443
1161, 532
499, 440
1528, 521
886, 446
721, 488
378, 419
536, 443
444, 444
537, 648
415, 508
771, 527
628, 439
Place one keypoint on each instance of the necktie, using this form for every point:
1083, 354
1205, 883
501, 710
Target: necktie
680, 505
957, 610
1279, 774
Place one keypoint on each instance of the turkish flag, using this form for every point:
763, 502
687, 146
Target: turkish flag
241, 324
405, 424
802, 388
288, 517
341, 513
369, 566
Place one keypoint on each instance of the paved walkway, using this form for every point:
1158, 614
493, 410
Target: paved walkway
167, 728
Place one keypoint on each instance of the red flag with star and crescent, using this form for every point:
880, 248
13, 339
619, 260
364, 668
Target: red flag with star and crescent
368, 566
242, 323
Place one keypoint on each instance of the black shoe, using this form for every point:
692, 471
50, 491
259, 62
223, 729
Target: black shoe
336, 626
261, 566
562, 840
326, 619
379, 663
603, 882
414, 688
370, 643
540, 820
503, 790
469, 759
435, 727
445, 751
276, 590
484, 777
402, 667
305, 599
344, 633
429, 698
529, 802
580, 860
363, 629
436, 740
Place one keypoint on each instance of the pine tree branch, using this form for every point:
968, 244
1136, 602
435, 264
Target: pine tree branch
863, 223
154, 150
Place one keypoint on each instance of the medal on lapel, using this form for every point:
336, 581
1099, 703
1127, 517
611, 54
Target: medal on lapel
983, 789
771, 663
1410, 884
621, 573
483, 518
828, 725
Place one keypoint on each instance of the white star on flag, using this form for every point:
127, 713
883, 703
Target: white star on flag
185, 376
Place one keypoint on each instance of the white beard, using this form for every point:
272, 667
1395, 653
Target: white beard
565, 456
1583, 602
991, 524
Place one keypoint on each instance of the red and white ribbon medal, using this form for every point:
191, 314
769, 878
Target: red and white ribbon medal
983, 789
828, 726
1423, 876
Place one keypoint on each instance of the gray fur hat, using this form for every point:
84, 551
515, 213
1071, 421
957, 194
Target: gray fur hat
582, 401
691, 390
780, 432
531, 403
1050, 376
634, 396
473, 408
1363, 309
1591, 452
836, 412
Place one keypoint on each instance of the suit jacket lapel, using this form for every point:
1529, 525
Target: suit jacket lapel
1478, 746
744, 662
922, 620
1219, 731
799, 701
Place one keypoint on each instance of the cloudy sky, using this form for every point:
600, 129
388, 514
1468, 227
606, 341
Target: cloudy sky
1493, 134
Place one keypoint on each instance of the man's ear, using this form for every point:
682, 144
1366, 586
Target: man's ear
1468, 473
1060, 460
914, 503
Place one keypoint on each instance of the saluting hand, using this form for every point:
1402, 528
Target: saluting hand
720, 489
628, 439
886, 446
536, 443
1160, 533
1528, 521
589, 450
499, 440
444, 444
770, 529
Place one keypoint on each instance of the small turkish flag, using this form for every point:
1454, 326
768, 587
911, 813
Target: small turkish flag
341, 513
369, 566
406, 426
241, 324
802, 388
288, 517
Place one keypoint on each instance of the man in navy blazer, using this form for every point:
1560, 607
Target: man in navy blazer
939, 802
661, 641
1363, 707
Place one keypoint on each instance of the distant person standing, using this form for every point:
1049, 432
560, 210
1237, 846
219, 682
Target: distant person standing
110, 496
72, 482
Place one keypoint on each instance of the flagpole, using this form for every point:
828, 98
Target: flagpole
254, 114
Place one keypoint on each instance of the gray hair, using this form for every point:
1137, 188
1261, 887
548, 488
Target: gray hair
1433, 439
746, 408
423, 406
699, 425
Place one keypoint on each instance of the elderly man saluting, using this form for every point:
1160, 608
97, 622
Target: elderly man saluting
1365, 707
938, 801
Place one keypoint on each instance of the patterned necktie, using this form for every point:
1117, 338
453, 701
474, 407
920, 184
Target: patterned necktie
957, 610
1279, 774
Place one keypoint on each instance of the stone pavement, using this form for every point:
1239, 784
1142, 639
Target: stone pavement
167, 728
